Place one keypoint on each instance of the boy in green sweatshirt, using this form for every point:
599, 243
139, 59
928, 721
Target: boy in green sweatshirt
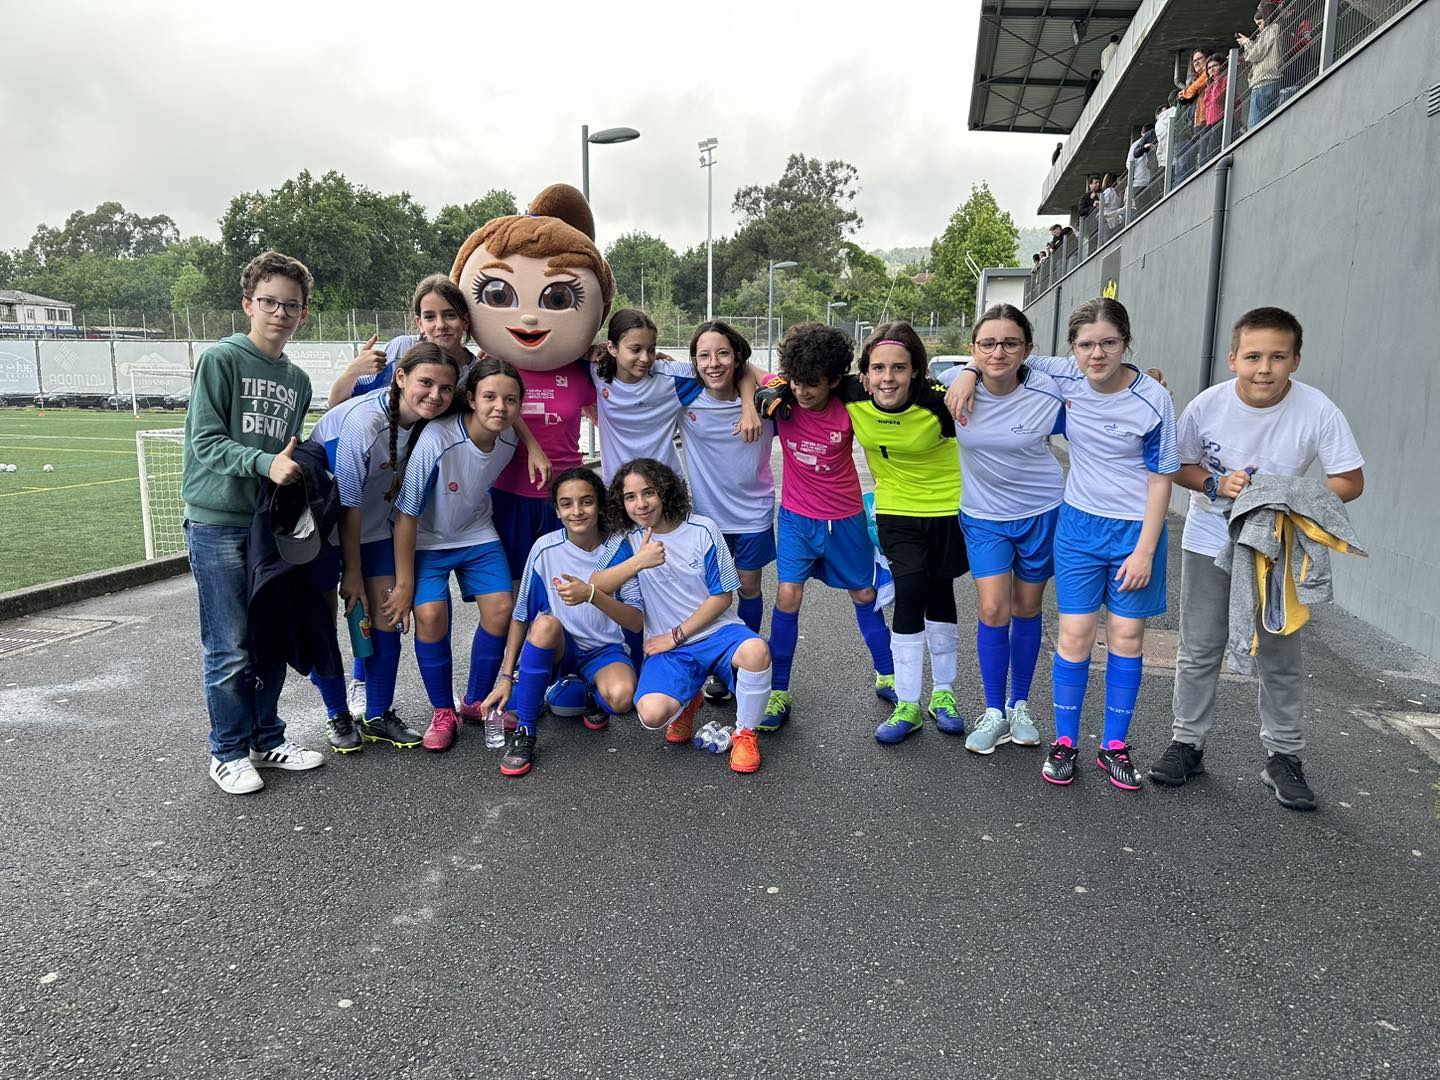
246, 409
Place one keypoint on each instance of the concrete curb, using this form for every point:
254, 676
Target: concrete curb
22, 602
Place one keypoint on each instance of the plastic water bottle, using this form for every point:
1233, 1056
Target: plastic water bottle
495, 729
360, 642
704, 735
720, 740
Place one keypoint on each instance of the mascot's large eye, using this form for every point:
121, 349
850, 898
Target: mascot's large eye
560, 296
492, 292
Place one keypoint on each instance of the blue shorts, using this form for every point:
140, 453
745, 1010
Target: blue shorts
839, 553
1024, 547
751, 551
681, 672
480, 570
377, 558
520, 520
1088, 551
587, 663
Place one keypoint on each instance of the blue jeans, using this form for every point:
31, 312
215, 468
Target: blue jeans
243, 702
1263, 99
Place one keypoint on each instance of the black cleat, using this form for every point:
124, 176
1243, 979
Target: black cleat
342, 735
1178, 763
389, 729
1059, 767
1116, 764
519, 756
1284, 776
716, 690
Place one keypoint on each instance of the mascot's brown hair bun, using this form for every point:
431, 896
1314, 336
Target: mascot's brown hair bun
559, 228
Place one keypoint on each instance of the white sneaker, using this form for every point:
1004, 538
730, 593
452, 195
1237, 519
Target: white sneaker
355, 698
287, 756
236, 777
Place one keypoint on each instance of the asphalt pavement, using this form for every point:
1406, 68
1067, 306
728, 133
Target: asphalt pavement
636, 910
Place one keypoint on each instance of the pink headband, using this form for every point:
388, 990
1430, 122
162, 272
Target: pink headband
889, 341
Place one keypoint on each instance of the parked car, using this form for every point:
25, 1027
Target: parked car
71, 399
941, 364
144, 401
17, 398
178, 400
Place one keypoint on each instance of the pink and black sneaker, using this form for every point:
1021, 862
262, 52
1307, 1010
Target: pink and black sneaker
1059, 767
1115, 762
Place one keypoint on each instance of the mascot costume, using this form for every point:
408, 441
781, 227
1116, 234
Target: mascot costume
538, 290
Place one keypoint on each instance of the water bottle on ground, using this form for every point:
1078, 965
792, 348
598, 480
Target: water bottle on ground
720, 740
704, 735
495, 728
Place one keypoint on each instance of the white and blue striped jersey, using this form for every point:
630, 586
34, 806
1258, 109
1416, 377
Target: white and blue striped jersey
356, 437
697, 566
730, 480
552, 557
395, 350
1009, 472
1115, 439
447, 485
638, 419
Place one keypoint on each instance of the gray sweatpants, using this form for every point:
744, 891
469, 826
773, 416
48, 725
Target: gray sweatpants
1204, 628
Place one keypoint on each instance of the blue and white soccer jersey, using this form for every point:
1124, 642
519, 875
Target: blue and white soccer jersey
697, 566
592, 640
395, 349
638, 419
447, 487
731, 481
1013, 484
1116, 441
356, 437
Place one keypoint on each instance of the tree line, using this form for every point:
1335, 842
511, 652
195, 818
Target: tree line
367, 249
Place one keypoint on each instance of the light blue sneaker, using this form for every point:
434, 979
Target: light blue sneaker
1023, 731
991, 730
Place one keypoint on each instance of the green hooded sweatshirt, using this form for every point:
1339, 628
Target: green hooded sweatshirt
244, 409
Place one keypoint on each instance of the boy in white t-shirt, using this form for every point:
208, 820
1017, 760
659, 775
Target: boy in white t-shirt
1258, 422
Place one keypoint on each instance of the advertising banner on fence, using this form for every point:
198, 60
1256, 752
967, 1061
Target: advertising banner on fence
147, 366
18, 374
323, 361
82, 366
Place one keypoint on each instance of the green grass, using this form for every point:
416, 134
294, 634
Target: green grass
85, 515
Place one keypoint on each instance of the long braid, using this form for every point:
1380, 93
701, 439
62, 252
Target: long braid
423, 352
396, 468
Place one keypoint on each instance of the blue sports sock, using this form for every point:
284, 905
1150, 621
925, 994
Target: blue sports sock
332, 692
436, 671
359, 666
784, 633
1024, 651
1069, 681
636, 644
486, 652
752, 610
1122, 687
876, 635
992, 646
381, 667
533, 676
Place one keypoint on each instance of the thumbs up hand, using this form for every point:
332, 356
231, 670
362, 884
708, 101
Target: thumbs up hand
651, 553
283, 469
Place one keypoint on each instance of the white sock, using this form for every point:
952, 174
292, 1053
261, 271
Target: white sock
908, 651
943, 638
752, 691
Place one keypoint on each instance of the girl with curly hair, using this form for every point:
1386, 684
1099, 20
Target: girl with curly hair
687, 580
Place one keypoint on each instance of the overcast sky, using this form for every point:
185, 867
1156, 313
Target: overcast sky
175, 107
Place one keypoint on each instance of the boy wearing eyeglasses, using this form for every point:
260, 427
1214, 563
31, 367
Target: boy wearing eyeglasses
247, 407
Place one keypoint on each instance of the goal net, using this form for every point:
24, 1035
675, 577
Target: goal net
160, 455
158, 388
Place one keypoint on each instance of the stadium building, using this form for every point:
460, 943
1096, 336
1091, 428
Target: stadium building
1313, 190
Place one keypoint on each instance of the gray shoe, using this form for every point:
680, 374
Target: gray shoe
991, 730
1022, 729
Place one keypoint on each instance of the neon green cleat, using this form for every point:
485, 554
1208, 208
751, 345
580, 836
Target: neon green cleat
904, 722
777, 711
885, 688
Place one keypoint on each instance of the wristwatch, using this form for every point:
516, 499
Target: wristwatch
1211, 487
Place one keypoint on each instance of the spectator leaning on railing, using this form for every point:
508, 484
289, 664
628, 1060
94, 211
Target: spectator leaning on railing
1190, 95
1090, 201
1142, 153
1210, 113
1265, 53
1164, 116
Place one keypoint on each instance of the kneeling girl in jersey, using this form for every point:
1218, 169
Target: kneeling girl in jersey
365, 438
445, 525
687, 583
1110, 540
822, 529
1008, 511
566, 625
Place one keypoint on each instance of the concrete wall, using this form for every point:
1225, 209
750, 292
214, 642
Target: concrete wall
1333, 214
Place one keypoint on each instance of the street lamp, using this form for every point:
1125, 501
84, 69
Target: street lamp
642, 286
831, 305
707, 162
770, 306
860, 328
600, 138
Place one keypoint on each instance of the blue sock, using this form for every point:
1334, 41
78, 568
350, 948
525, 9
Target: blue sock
381, 667
992, 646
1024, 651
752, 610
636, 644
784, 633
876, 635
436, 671
486, 652
1069, 681
359, 667
534, 676
1122, 687
332, 692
